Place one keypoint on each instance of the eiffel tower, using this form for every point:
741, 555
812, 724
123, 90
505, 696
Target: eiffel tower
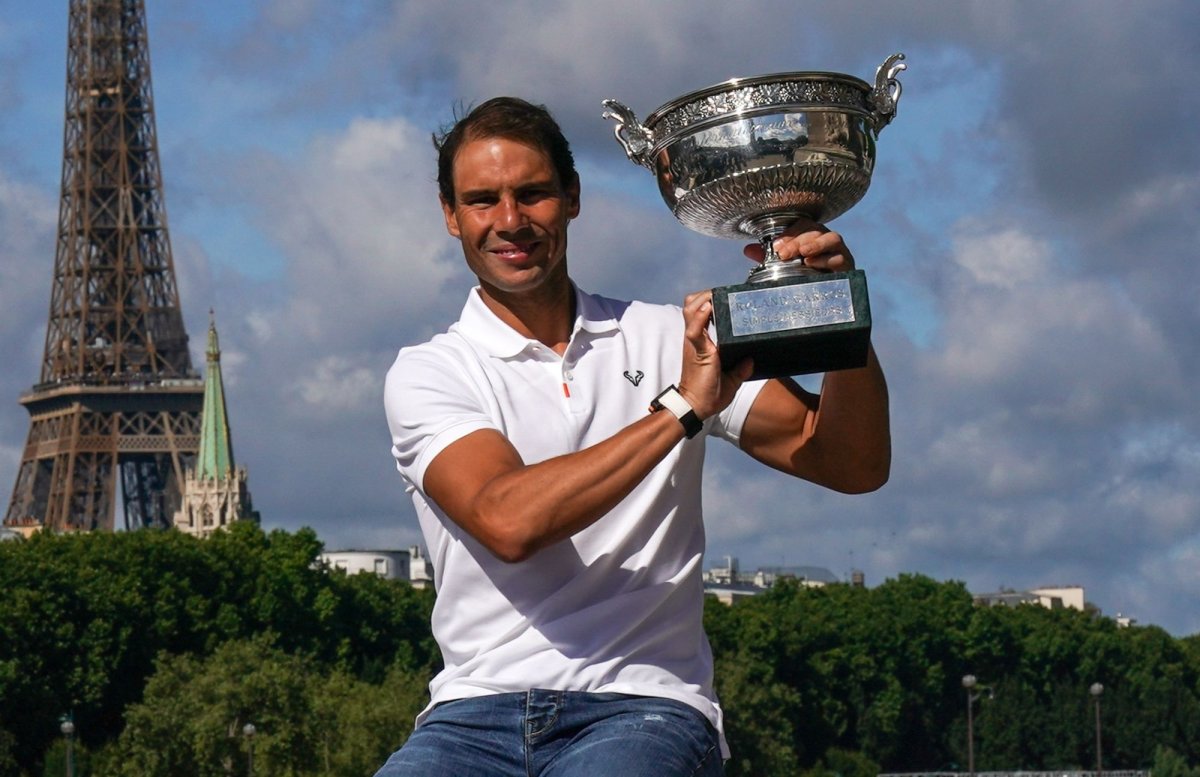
116, 411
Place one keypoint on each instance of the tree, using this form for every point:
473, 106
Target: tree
307, 721
83, 617
803, 673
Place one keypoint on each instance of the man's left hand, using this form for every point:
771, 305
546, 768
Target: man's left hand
813, 244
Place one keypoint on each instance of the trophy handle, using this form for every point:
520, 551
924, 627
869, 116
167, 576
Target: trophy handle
886, 94
633, 137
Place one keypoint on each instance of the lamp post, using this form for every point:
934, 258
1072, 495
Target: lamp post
970, 683
1095, 691
67, 727
248, 732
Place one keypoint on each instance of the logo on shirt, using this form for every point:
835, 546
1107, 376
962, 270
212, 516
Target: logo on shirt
635, 378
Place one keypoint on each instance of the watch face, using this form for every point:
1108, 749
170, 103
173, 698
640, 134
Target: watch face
673, 401
657, 404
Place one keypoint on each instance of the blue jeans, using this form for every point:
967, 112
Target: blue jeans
560, 734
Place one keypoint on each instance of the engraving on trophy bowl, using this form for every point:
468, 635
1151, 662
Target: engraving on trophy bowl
747, 159
718, 180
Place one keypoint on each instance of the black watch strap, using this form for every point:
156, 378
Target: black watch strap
674, 403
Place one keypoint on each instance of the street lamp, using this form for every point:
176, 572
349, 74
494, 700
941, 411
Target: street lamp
970, 683
248, 732
67, 727
1095, 691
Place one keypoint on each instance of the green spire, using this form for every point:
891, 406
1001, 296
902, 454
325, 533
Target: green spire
215, 460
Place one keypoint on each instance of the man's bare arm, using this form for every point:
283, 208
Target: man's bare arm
841, 439
514, 509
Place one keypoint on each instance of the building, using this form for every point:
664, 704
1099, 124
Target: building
420, 568
388, 564
1057, 597
215, 493
1050, 597
411, 565
729, 583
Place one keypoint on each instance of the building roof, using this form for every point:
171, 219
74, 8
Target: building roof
814, 574
215, 459
1006, 598
364, 551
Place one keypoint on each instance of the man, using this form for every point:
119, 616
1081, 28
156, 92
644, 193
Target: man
563, 517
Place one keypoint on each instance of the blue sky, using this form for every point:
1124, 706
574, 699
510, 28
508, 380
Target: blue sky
1030, 237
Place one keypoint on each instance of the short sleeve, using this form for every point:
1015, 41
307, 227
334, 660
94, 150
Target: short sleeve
728, 423
431, 402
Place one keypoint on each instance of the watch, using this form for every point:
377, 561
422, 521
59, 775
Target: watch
671, 400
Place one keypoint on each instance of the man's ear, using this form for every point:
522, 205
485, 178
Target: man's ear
451, 218
572, 191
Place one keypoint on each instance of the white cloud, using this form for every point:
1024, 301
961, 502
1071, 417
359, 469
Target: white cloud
27, 234
1043, 203
1019, 320
27, 227
260, 326
1008, 258
336, 384
357, 218
1162, 194
290, 14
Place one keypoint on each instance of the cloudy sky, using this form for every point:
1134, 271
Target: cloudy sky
1031, 238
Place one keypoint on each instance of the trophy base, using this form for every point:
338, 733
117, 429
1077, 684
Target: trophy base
798, 325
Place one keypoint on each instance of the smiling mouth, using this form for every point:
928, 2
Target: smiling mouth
513, 251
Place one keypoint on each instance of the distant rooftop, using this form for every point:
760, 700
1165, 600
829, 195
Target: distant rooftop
814, 574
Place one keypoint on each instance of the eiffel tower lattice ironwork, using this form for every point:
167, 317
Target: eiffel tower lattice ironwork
118, 404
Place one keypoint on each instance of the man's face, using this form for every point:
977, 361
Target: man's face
511, 212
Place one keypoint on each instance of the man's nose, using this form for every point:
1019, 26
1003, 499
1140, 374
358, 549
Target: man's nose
508, 214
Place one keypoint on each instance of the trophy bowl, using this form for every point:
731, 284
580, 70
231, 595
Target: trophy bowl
747, 159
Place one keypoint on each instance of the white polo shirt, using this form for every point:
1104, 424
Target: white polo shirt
618, 606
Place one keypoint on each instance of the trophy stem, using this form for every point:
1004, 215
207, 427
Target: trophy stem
767, 229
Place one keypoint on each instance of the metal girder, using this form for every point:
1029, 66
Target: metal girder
118, 403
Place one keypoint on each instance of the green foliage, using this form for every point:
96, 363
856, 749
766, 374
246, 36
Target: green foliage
85, 615
806, 673
362, 724
846, 668
8, 762
307, 721
56, 760
163, 646
843, 763
1168, 763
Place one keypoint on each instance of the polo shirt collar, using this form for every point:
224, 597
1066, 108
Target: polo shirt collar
483, 327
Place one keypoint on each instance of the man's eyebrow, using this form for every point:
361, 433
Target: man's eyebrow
476, 191
547, 184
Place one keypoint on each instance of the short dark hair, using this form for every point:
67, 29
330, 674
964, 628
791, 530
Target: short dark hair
513, 119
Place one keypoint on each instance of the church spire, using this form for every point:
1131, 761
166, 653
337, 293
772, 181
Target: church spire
215, 460
215, 492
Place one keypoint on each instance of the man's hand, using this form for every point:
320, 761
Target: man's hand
702, 383
811, 243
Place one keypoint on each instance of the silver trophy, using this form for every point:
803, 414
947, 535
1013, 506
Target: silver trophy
746, 159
